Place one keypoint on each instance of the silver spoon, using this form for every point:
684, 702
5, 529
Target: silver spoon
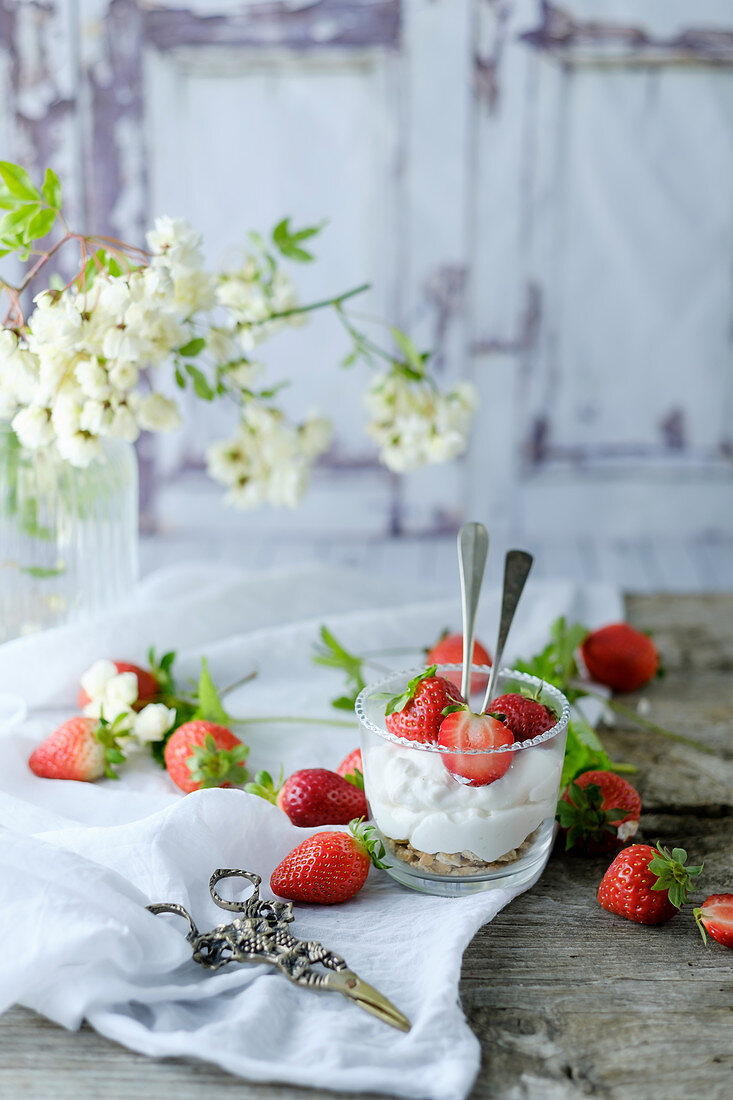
473, 546
517, 565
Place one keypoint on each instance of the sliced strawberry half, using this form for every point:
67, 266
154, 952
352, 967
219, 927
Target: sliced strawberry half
715, 917
463, 731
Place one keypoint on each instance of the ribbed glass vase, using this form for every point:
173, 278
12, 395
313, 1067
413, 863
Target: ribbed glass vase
68, 536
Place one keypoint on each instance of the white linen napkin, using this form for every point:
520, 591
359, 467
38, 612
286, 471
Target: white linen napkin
79, 862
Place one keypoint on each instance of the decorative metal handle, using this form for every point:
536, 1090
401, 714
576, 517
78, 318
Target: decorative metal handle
232, 872
517, 565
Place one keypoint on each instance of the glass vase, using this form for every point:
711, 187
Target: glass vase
68, 536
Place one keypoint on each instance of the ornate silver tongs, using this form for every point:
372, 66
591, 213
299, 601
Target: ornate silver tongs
261, 934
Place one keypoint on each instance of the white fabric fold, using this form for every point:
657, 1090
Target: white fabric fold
79, 862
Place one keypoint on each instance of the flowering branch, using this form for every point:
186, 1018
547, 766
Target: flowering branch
84, 365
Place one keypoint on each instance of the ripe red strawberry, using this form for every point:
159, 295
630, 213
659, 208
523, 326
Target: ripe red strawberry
448, 650
620, 657
715, 916
647, 885
328, 867
599, 811
526, 718
418, 711
463, 730
352, 768
313, 796
203, 754
147, 685
82, 748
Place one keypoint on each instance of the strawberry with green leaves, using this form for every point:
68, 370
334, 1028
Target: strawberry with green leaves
417, 712
329, 867
82, 748
312, 796
201, 753
598, 812
647, 885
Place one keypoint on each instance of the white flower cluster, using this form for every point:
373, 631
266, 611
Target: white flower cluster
252, 294
414, 424
269, 460
112, 696
73, 379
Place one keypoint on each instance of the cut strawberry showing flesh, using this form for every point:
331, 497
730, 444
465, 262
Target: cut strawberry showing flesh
473, 737
715, 917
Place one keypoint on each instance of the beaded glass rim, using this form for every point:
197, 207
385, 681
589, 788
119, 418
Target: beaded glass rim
556, 696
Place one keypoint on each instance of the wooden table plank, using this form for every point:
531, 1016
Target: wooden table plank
566, 999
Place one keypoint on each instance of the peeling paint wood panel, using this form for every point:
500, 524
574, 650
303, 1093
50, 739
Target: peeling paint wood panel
288, 121
622, 394
436, 218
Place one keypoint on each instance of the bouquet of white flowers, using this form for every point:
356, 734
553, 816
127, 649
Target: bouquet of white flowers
88, 360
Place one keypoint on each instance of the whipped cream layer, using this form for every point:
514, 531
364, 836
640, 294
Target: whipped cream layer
414, 797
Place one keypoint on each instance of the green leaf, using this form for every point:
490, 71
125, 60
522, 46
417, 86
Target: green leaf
52, 189
41, 224
332, 654
201, 385
180, 379
583, 751
397, 703
40, 572
408, 349
356, 778
193, 347
287, 242
209, 704
18, 182
16, 223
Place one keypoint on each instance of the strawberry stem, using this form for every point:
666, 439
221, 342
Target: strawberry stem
638, 720
291, 719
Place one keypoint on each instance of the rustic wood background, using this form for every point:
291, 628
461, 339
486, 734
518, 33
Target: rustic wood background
567, 1000
539, 191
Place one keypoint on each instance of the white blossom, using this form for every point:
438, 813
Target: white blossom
269, 460
97, 676
33, 426
114, 697
124, 375
157, 413
153, 722
92, 377
414, 424
176, 240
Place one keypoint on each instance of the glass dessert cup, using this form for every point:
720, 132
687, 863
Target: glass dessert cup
444, 836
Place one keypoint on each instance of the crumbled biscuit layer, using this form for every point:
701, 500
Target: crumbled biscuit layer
454, 863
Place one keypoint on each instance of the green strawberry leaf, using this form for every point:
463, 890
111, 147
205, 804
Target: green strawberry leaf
264, 786
209, 704
369, 840
672, 874
356, 778
332, 654
397, 703
212, 767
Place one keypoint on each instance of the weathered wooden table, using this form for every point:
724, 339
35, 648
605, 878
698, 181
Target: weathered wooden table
567, 1000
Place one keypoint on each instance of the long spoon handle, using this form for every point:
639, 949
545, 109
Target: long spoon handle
473, 546
516, 570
